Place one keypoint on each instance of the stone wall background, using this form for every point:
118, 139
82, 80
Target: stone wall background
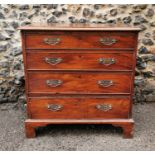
13, 16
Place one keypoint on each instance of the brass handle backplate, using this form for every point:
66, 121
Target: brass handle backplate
106, 61
104, 107
54, 83
54, 107
53, 61
107, 41
105, 83
52, 41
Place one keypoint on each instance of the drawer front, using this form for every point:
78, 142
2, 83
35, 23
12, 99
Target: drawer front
80, 40
74, 82
56, 108
109, 108
71, 61
78, 108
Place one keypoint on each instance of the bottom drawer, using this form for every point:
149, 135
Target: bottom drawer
108, 108
78, 108
56, 108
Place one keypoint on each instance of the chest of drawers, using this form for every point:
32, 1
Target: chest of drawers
79, 74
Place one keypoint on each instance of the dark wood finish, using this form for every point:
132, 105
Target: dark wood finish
84, 61
75, 40
86, 78
75, 83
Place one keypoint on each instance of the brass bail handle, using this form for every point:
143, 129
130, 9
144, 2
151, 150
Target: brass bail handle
107, 41
105, 83
53, 61
104, 107
52, 41
106, 61
54, 82
54, 107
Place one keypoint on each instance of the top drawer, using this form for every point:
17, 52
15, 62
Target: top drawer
80, 40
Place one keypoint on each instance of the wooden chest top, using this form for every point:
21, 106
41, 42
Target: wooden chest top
79, 27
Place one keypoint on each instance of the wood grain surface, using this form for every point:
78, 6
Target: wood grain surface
79, 83
79, 40
79, 61
78, 108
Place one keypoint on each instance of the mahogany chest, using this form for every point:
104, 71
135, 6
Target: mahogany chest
79, 73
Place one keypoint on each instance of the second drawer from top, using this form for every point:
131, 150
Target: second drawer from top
79, 61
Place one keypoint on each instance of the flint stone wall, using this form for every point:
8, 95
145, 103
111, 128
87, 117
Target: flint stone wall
13, 16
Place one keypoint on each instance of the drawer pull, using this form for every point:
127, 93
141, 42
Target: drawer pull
53, 61
54, 83
52, 41
104, 107
106, 61
54, 107
107, 41
105, 83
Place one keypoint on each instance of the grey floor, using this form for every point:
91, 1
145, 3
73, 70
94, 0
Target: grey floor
77, 137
